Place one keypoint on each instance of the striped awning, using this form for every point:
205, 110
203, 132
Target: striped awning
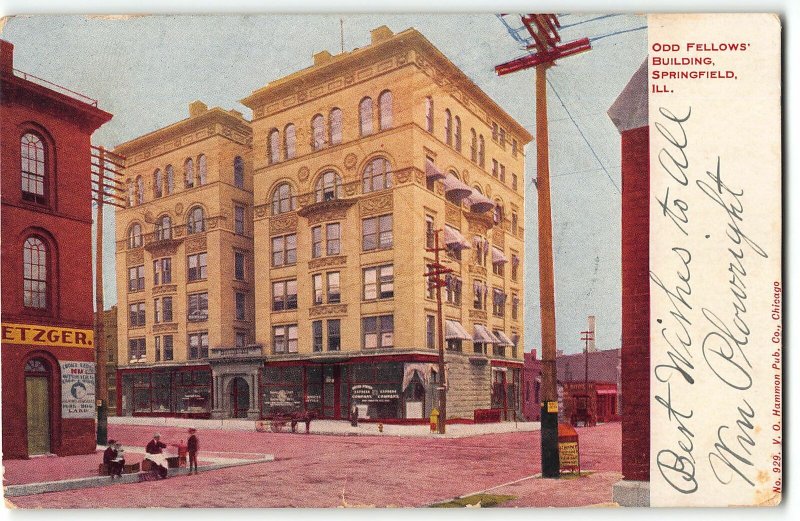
455, 331
484, 336
455, 189
504, 340
433, 173
454, 239
497, 256
478, 202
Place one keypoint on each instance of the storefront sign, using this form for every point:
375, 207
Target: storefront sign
77, 390
568, 455
370, 394
47, 336
282, 398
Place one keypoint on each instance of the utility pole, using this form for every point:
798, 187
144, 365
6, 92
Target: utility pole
434, 275
545, 50
586, 336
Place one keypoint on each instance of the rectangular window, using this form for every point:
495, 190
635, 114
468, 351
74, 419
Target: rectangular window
167, 346
316, 242
197, 266
198, 345
498, 302
316, 283
454, 344
502, 137
514, 181
316, 336
284, 339
429, 231
284, 250
377, 233
241, 305
334, 334
156, 311
158, 349
478, 289
136, 315
377, 332
136, 278
238, 219
137, 349
452, 290
430, 331
514, 146
239, 265
284, 295
514, 306
166, 309
495, 131
514, 266
162, 271
197, 305
241, 339
332, 236
378, 282
502, 173
498, 268
495, 168
514, 223
334, 288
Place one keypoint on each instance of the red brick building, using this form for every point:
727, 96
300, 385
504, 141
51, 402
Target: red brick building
630, 115
47, 309
596, 399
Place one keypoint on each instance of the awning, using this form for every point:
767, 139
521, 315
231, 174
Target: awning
504, 340
454, 239
455, 189
484, 336
497, 256
433, 173
423, 370
478, 202
455, 331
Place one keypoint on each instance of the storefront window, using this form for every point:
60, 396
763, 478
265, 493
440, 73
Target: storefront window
282, 391
375, 389
167, 392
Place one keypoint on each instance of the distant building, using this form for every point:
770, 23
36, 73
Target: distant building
598, 395
110, 333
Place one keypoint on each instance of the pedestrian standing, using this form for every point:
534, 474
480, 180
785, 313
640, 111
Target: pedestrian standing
193, 445
354, 416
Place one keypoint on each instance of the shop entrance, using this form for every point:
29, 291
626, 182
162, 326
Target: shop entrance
331, 377
240, 397
37, 394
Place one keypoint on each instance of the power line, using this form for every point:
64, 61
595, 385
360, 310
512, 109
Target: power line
595, 38
590, 20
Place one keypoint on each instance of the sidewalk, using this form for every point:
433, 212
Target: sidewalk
338, 427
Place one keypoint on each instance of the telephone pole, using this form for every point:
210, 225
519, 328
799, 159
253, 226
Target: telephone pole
544, 50
586, 336
434, 275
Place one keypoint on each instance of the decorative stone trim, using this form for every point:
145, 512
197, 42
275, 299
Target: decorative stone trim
327, 310
196, 243
134, 257
281, 224
327, 262
165, 289
477, 314
377, 204
169, 327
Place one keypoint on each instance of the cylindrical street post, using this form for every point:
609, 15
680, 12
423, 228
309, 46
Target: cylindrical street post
101, 355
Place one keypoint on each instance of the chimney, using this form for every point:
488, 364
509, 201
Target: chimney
196, 108
322, 57
380, 34
7, 58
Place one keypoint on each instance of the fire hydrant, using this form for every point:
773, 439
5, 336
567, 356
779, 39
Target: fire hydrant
434, 420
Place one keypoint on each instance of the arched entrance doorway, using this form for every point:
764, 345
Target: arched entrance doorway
240, 397
37, 397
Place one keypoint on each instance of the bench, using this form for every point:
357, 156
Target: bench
103, 470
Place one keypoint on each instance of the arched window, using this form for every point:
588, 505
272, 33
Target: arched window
273, 147
289, 141
139, 190
135, 236
377, 175
282, 199
429, 114
328, 187
188, 172
335, 123
34, 263
158, 183
195, 221
365, 116
238, 172
498, 213
457, 133
385, 109
170, 179
317, 132
202, 170
33, 168
473, 146
448, 127
163, 228
481, 151
37, 365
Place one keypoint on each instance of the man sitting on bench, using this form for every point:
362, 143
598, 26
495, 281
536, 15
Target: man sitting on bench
155, 455
113, 459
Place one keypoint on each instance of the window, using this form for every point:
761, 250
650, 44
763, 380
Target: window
284, 295
136, 315
448, 127
197, 306
238, 219
167, 343
317, 132
514, 306
379, 282
514, 223
139, 190
282, 199
273, 147
329, 186
289, 141
162, 271
502, 173
284, 250
157, 311
378, 332
316, 336
188, 173
457, 133
239, 265
498, 302
498, 213
335, 122
238, 172
495, 167
241, 305
284, 339
158, 183
377, 175
202, 170
430, 331
333, 238
195, 222
198, 346
334, 288
334, 334
135, 236
166, 309
376, 233
316, 242
385, 109
495, 131
136, 278
498, 268
34, 262
163, 228
170, 179
430, 232
429, 285
137, 349
479, 291
514, 146
452, 290
240, 339
429, 114
197, 266
316, 284
365, 116
454, 344
514, 181
502, 137
514, 266
33, 168
473, 147
481, 151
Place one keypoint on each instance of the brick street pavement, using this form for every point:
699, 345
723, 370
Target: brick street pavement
328, 471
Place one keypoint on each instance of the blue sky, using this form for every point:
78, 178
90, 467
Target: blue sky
146, 70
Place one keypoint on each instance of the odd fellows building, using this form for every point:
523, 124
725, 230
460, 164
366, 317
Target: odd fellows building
185, 266
356, 161
47, 309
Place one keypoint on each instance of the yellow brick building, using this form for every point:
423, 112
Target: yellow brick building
356, 160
